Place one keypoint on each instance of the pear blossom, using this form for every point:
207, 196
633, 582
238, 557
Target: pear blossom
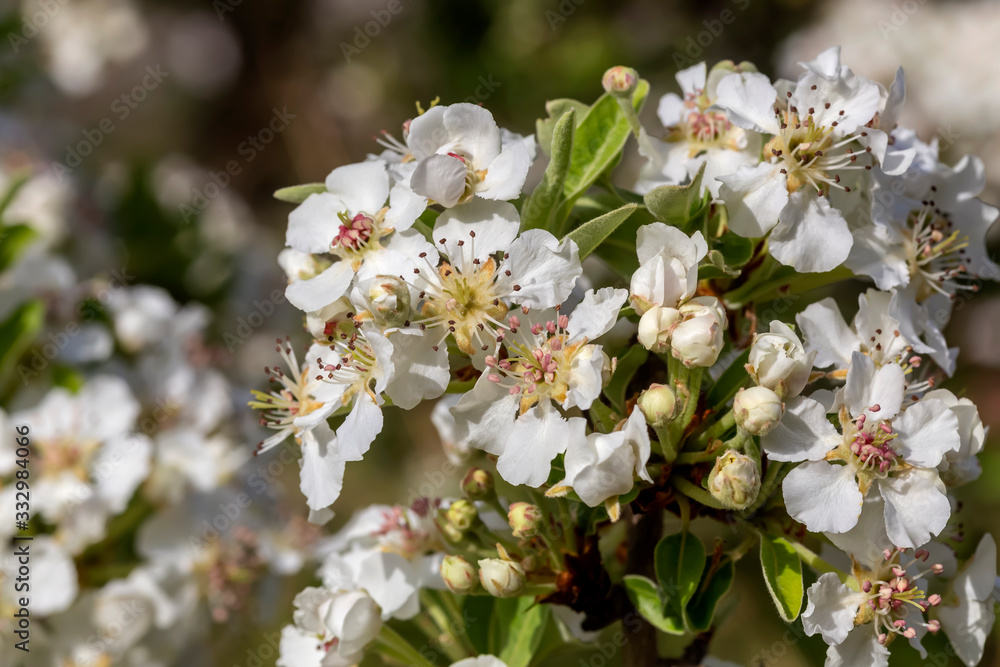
332, 629
885, 598
880, 448
779, 361
604, 465
968, 616
459, 155
364, 221
668, 267
697, 338
961, 466
819, 137
696, 135
511, 412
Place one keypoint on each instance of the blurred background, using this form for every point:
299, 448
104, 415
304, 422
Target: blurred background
168, 125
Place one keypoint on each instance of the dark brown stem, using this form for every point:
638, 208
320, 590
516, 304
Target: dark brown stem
644, 531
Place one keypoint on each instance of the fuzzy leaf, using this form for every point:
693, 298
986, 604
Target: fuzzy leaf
714, 585
540, 208
680, 561
296, 194
783, 575
592, 233
646, 597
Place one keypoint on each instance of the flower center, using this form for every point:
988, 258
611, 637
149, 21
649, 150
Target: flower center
892, 596
289, 397
354, 365
354, 232
936, 254
472, 178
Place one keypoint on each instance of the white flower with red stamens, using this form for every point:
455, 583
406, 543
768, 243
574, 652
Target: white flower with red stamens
459, 155
364, 221
968, 618
695, 135
465, 292
546, 360
884, 599
604, 465
668, 267
819, 142
879, 448
332, 629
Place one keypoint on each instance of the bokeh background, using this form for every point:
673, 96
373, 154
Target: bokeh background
212, 105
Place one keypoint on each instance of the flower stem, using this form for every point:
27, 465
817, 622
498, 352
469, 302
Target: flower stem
696, 493
391, 644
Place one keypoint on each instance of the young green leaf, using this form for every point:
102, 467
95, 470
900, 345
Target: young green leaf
545, 127
540, 208
14, 240
783, 575
679, 560
677, 205
604, 418
714, 585
592, 233
16, 333
523, 632
296, 194
646, 597
628, 364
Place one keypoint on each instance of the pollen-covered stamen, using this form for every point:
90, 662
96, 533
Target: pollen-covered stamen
460, 298
874, 447
352, 365
893, 597
810, 154
394, 145
703, 129
937, 253
354, 232
288, 398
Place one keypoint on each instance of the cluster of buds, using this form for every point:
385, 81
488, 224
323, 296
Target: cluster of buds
693, 333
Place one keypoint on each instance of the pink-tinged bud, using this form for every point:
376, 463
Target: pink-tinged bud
477, 484
461, 515
459, 575
501, 578
757, 410
620, 81
658, 404
524, 519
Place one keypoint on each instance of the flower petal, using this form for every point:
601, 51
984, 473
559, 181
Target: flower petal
322, 476
916, 507
811, 236
803, 434
313, 224
755, 197
506, 174
363, 187
440, 178
867, 387
748, 99
597, 313
356, 434
831, 609
927, 431
823, 496
322, 290
542, 269
535, 439
860, 648
494, 225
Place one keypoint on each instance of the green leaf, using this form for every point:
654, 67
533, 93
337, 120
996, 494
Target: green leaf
545, 127
646, 597
16, 184
540, 208
477, 611
680, 560
16, 334
425, 223
523, 621
599, 140
592, 233
628, 364
736, 250
783, 575
725, 388
678, 205
604, 418
618, 250
296, 194
14, 240
714, 585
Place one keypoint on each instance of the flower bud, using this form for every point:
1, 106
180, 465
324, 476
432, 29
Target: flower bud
461, 515
779, 361
656, 326
698, 339
501, 578
757, 410
735, 480
389, 298
620, 81
459, 575
657, 404
477, 484
524, 518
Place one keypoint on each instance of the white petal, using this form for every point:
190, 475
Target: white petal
611, 475
823, 496
363, 187
313, 224
299, 648
803, 434
916, 507
405, 206
440, 178
542, 268
493, 224
810, 235
466, 129
867, 540
358, 431
968, 625
860, 648
322, 474
506, 174
755, 197
119, 467
853, 101
831, 609
390, 580
657, 238
423, 373
585, 377
927, 431
56, 587
597, 313
670, 110
534, 440
484, 416
827, 334
318, 292
867, 387
748, 99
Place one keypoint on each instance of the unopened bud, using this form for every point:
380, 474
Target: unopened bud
524, 518
779, 361
620, 81
501, 578
698, 339
390, 301
735, 480
461, 515
657, 404
459, 575
477, 484
656, 326
757, 410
